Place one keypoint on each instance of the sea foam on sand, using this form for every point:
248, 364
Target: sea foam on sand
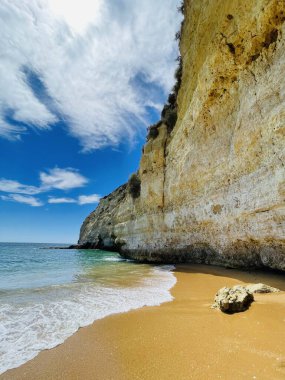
30, 327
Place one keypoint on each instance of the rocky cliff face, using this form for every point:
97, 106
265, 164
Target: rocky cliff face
213, 190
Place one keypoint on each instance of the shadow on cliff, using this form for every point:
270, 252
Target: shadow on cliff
268, 277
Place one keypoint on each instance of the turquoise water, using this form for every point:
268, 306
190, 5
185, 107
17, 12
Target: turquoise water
47, 294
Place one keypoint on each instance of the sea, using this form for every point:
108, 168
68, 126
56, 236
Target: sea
47, 294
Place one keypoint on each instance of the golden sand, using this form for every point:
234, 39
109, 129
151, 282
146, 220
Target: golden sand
183, 339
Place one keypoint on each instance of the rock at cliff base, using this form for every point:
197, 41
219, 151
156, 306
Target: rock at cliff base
261, 288
233, 300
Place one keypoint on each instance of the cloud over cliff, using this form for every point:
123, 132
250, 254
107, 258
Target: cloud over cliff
86, 64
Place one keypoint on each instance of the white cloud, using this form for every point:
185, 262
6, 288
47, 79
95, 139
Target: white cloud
94, 59
81, 200
56, 178
87, 199
29, 200
62, 179
61, 200
10, 186
77, 14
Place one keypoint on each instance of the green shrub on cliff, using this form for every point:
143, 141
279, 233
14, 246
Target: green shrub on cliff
153, 131
134, 185
181, 7
178, 76
172, 98
169, 111
178, 36
170, 119
169, 116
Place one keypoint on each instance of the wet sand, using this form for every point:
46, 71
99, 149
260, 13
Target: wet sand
182, 339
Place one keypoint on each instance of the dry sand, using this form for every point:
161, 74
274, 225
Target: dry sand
183, 339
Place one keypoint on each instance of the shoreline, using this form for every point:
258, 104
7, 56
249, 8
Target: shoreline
181, 339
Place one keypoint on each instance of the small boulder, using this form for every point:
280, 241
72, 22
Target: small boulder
261, 288
233, 300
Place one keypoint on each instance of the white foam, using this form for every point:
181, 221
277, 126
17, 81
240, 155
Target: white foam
27, 330
115, 259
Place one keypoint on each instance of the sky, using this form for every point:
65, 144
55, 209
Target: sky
80, 82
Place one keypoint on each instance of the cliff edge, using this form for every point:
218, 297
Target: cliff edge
212, 189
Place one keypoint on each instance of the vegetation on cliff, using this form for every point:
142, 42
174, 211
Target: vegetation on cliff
170, 109
134, 185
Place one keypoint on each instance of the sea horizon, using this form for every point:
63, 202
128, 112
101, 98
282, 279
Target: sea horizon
32, 242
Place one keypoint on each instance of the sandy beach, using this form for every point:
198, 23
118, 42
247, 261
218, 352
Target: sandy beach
182, 339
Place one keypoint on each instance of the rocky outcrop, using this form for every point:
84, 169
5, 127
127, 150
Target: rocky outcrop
261, 288
233, 300
239, 297
97, 231
212, 189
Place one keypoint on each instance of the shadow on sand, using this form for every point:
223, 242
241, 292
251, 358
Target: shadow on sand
272, 278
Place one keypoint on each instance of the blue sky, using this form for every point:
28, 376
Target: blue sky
79, 85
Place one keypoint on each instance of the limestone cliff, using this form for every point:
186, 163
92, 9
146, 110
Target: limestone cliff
213, 190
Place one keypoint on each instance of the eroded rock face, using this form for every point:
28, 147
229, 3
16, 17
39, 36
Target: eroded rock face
233, 300
97, 231
213, 191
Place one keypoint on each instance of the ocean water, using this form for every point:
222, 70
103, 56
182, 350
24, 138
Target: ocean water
46, 295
